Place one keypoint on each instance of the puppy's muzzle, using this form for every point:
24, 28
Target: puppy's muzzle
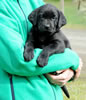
47, 26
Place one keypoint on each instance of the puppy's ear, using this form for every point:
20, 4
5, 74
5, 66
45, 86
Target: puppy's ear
33, 16
61, 20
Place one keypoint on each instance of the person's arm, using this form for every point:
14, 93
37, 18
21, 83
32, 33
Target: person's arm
12, 61
65, 76
12, 48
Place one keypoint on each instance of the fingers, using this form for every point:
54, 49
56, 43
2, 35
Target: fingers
55, 80
66, 75
60, 71
78, 71
61, 79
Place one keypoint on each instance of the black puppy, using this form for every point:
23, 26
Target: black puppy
45, 33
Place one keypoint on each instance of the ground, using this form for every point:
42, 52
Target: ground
77, 39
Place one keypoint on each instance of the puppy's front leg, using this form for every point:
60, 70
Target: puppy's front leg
28, 51
43, 58
29, 48
57, 47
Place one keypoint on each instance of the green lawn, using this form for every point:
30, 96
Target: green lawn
74, 18
77, 90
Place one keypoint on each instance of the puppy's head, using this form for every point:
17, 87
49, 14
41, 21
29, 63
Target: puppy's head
47, 18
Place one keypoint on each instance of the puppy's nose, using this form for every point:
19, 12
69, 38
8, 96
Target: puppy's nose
47, 26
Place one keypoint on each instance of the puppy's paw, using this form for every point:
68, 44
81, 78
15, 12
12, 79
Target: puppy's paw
42, 61
28, 56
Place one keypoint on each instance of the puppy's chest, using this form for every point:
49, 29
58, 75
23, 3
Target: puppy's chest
40, 42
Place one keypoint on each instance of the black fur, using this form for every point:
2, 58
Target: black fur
46, 34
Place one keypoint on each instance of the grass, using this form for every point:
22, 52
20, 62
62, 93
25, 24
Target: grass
77, 90
74, 18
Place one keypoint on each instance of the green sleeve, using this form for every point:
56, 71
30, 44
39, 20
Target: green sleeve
12, 48
12, 61
37, 3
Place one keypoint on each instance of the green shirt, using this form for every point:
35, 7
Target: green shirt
28, 80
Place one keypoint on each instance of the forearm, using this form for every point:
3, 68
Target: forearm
12, 60
15, 64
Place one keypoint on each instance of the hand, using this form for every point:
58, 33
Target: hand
61, 79
78, 71
65, 75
